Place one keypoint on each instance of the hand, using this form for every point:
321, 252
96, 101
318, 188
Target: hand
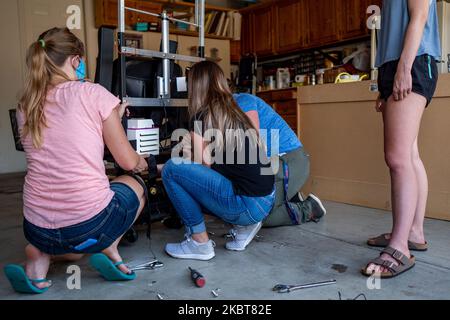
142, 165
380, 104
123, 109
402, 83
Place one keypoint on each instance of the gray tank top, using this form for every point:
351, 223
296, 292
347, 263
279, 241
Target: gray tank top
394, 24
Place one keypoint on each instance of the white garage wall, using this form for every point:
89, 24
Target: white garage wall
21, 22
10, 83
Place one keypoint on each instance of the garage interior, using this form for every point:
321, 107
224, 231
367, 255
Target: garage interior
331, 111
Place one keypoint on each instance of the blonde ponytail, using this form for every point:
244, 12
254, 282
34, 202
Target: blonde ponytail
44, 59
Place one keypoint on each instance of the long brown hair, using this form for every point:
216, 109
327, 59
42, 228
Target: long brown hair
211, 99
44, 59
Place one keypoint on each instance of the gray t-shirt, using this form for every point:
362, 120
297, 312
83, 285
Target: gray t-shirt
394, 24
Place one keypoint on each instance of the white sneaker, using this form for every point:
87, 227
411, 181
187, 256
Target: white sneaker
191, 249
242, 236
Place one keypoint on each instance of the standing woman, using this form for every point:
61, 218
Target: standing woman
234, 183
70, 208
408, 49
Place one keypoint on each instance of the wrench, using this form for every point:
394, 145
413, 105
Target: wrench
283, 288
152, 265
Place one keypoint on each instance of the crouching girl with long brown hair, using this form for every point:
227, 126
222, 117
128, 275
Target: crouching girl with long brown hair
233, 182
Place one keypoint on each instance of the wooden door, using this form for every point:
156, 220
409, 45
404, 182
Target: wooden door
323, 21
288, 32
354, 18
263, 31
247, 34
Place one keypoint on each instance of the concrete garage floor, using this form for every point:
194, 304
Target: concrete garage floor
333, 249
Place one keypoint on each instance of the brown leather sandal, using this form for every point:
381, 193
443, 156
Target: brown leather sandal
404, 264
382, 241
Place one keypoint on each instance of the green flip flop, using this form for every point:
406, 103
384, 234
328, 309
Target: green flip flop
20, 281
110, 270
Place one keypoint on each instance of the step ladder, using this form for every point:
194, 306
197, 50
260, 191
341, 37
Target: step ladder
164, 93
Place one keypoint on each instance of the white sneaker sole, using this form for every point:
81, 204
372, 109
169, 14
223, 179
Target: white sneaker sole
250, 238
192, 256
319, 202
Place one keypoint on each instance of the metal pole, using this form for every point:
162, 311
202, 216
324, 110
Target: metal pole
197, 15
201, 29
122, 61
166, 50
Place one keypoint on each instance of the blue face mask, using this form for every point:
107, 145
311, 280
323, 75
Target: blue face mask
81, 70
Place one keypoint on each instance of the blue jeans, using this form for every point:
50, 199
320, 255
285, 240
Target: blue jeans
106, 227
192, 187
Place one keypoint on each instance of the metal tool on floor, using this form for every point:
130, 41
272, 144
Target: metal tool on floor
216, 292
152, 265
197, 278
283, 288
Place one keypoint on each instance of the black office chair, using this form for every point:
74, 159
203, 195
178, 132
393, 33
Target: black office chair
15, 130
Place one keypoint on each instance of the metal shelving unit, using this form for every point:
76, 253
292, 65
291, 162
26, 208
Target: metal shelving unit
164, 93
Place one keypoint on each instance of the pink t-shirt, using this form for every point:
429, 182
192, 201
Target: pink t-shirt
66, 183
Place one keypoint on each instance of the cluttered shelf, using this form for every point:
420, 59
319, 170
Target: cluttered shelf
181, 4
195, 34
220, 22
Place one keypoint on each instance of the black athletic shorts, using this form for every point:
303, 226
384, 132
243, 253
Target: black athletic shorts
424, 77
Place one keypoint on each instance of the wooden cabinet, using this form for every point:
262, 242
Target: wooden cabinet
291, 25
235, 51
354, 18
107, 13
149, 7
263, 33
284, 26
247, 33
324, 23
284, 102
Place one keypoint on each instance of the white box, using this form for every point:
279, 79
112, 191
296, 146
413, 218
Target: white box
146, 136
140, 124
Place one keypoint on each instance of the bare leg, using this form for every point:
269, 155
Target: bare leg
417, 234
37, 265
201, 237
401, 126
113, 252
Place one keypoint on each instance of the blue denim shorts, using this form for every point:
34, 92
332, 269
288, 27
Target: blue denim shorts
106, 227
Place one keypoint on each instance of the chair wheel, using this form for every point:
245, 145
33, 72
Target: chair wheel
131, 236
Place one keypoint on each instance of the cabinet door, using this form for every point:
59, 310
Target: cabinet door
263, 31
323, 21
353, 16
288, 22
247, 34
235, 51
107, 13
